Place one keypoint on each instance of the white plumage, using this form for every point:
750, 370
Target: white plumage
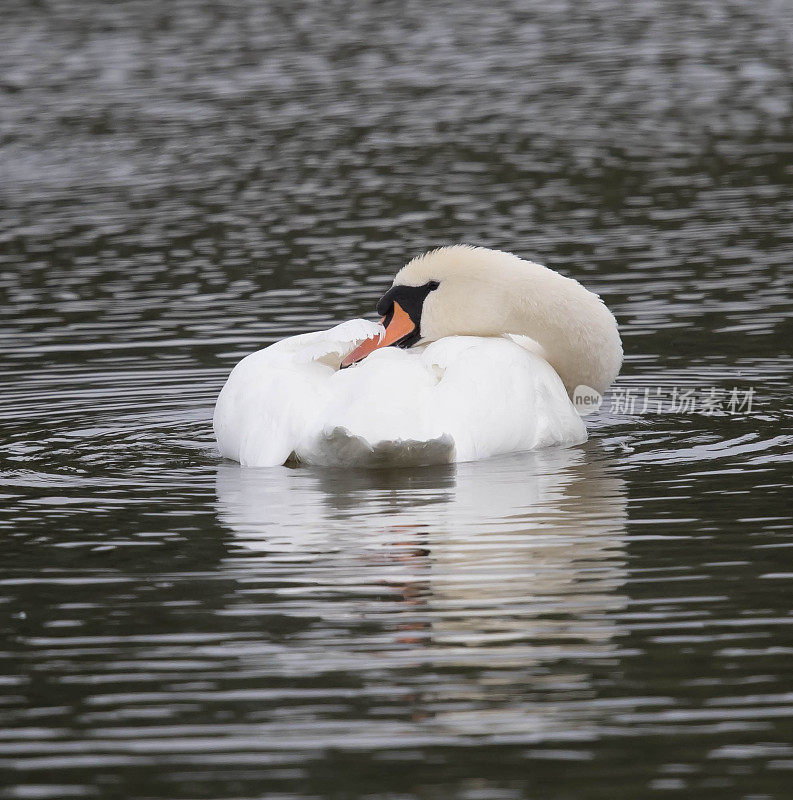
458, 398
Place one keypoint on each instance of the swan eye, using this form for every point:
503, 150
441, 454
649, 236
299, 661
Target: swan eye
411, 298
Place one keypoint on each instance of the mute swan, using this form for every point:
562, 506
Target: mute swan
488, 348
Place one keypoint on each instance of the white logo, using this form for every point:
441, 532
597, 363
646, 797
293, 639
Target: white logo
586, 400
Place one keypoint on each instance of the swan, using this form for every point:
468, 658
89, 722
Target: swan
478, 354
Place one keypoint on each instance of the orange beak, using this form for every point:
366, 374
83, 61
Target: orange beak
401, 325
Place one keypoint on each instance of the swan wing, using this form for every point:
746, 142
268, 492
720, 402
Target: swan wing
328, 346
496, 397
459, 399
262, 410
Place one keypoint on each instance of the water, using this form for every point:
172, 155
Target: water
183, 184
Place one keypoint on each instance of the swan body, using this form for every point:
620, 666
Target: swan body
489, 348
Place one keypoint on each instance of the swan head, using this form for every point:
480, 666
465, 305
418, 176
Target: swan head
475, 291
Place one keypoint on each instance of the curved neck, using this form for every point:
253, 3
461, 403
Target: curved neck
577, 333
484, 292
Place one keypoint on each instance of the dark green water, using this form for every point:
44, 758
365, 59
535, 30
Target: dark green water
181, 184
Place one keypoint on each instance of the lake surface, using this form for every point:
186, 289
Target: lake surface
183, 184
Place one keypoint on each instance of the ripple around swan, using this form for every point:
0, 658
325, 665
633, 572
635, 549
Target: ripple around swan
184, 185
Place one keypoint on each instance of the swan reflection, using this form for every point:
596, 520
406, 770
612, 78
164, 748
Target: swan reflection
492, 570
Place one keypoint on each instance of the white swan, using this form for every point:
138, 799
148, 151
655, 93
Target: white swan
487, 349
